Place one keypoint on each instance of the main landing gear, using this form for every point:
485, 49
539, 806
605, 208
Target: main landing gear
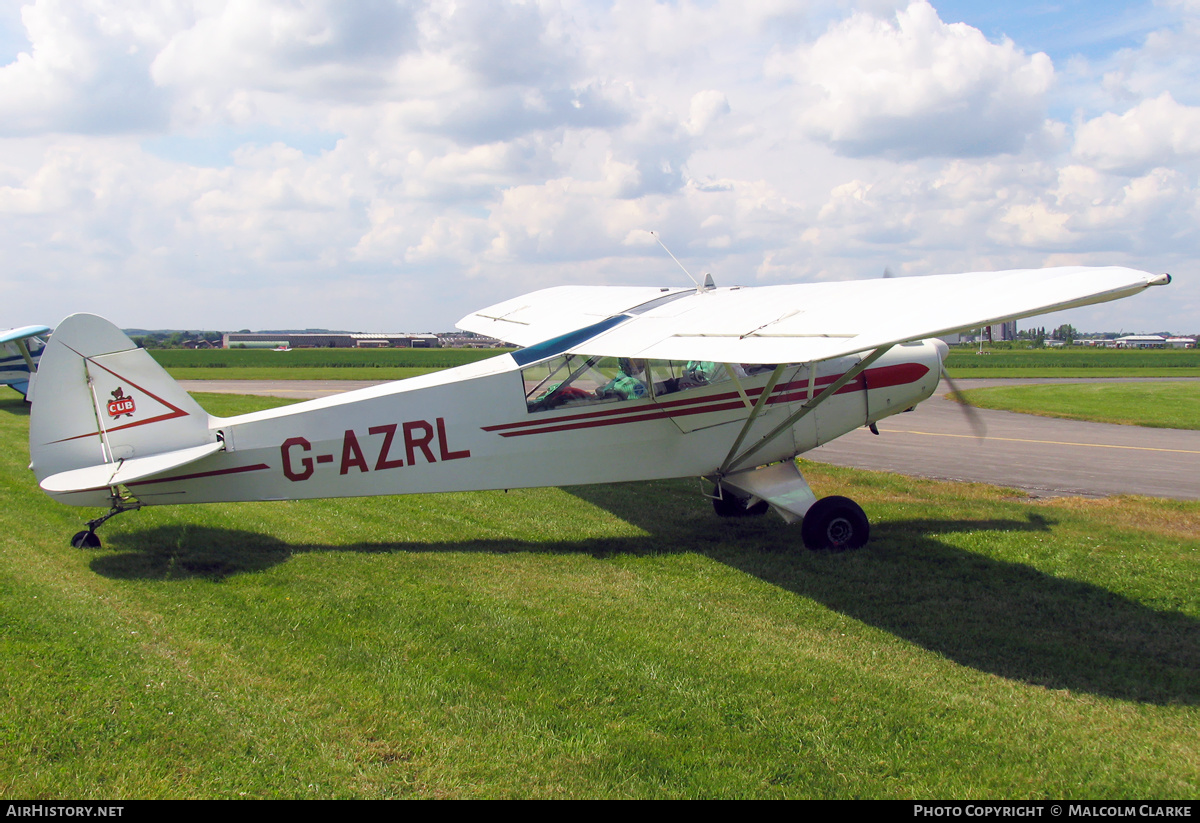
836, 523
727, 504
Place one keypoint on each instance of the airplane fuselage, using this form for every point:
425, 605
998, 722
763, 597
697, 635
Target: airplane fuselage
479, 427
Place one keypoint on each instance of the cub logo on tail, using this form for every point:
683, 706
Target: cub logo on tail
121, 404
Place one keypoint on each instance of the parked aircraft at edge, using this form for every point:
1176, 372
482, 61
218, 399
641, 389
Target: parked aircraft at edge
20, 350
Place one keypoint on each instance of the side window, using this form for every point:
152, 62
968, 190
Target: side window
672, 376
579, 380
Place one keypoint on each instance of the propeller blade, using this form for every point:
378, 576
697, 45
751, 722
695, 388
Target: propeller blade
974, 419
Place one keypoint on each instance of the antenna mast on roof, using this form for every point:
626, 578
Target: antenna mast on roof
700, 287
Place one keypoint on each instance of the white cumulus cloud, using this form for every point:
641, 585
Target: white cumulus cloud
913, 86
1156, 132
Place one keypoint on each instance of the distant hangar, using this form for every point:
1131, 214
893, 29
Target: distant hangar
329, 340
345, 340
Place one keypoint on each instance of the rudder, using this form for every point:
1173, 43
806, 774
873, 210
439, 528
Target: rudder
100, 400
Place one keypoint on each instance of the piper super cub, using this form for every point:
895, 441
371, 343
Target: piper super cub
612, 384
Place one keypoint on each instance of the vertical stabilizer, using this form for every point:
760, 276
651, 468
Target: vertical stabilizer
99, 399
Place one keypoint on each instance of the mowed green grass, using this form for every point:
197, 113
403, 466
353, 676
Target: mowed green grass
396, 364
301, 373
613, 641
1159, 405
312, 364
1079, 361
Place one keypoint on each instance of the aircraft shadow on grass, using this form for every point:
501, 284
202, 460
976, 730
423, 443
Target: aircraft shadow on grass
1007, 619
14, 405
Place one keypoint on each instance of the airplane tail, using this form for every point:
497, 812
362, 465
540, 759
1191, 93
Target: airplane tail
105, 413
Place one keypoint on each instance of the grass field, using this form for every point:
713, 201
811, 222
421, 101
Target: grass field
312, 364
613, 641
396, 364
964, 362
1159, 405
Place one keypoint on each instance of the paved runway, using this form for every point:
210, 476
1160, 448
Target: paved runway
1040, 455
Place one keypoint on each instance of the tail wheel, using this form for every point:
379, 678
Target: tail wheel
835, 523
86, 539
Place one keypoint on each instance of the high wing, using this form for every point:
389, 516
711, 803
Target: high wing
549, 313
794, 323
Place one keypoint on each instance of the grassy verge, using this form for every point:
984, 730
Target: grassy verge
1032, 372
312, 364
299, 373
1098, 363
1159, 405
613, 641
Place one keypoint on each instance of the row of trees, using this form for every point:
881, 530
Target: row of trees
175, 339
1066, 332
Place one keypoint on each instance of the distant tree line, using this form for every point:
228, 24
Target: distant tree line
175, 339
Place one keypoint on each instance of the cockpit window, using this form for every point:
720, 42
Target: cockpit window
582, 380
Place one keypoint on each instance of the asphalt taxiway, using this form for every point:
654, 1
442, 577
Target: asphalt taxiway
1040, 455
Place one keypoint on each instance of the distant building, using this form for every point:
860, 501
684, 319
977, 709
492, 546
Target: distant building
329, 340
1181, 342
468, 340
1001, 331
1140, 341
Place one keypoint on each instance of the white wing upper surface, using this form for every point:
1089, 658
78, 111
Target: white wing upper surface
542, 315
797, 323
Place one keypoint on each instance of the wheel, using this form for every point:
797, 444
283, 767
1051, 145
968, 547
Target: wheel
835, 523
730, 505
86, 539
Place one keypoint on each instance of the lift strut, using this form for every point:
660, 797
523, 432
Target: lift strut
735, 459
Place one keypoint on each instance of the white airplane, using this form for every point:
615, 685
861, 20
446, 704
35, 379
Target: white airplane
19, 353
613, 384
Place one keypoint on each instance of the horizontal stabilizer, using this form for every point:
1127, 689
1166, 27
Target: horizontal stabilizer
126, 471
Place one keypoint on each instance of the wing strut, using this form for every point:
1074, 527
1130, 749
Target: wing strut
754, 413
732, 461
23, 348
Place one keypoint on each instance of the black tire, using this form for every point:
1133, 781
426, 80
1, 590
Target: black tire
728, 505
836, 523
85, 540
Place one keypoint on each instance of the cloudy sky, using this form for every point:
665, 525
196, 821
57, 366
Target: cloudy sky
390, 165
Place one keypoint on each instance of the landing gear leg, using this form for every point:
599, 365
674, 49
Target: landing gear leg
728, 504
88, 539
836, 523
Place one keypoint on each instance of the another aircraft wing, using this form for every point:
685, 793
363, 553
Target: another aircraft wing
17, 362
798, 323
22, 333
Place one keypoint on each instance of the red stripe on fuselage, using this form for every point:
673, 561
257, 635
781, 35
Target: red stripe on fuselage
235, 470
878, 378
